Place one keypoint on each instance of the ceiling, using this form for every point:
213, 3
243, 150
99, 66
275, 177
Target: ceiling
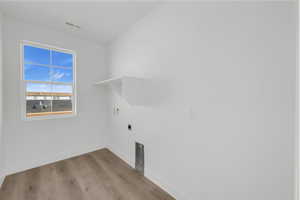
99, 21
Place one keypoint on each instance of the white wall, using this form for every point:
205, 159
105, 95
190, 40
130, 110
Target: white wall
222, 124
33, 143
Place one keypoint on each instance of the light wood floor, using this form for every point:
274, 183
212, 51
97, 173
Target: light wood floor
99, 175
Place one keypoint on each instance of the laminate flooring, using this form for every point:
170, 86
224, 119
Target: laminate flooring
99, 175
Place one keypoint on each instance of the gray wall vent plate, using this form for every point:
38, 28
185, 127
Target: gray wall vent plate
139, 158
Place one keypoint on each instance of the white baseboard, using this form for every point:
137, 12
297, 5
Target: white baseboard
58, 157
120, 155
1, 180
155, 179
164, 185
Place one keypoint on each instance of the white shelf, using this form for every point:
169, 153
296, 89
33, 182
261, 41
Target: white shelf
128, 87
110, 81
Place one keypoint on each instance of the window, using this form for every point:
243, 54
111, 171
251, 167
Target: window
48, 81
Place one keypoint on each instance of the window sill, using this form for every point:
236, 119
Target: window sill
49, 115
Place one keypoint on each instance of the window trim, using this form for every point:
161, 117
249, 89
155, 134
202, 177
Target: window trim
23, 82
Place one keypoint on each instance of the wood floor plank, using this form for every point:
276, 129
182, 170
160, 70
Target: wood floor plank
48, 185
92, 181
12, 187
69, 185
136, 182
32, 184
99, 175
115, 173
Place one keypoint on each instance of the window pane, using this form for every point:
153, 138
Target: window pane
62, 59
37, 106
38, 87
48, 99
62, 100
61, 75
36, 73
62, 103
36, 55
37, 98
62, 89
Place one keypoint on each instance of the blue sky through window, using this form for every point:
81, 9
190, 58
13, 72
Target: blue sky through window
36, 73
44, 87
36, 55
62, 59
62, 88
37, 63
61, 75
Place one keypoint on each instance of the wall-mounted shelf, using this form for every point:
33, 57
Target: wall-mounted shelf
110, 81
119, 80
128, 87
137, 90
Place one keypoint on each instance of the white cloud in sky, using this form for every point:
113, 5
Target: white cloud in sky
56, 75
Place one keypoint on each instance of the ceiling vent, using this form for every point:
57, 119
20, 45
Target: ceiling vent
74, 26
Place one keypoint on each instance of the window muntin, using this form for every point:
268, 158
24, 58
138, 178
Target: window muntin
48, 81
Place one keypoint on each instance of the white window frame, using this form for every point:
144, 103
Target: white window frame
23, 82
